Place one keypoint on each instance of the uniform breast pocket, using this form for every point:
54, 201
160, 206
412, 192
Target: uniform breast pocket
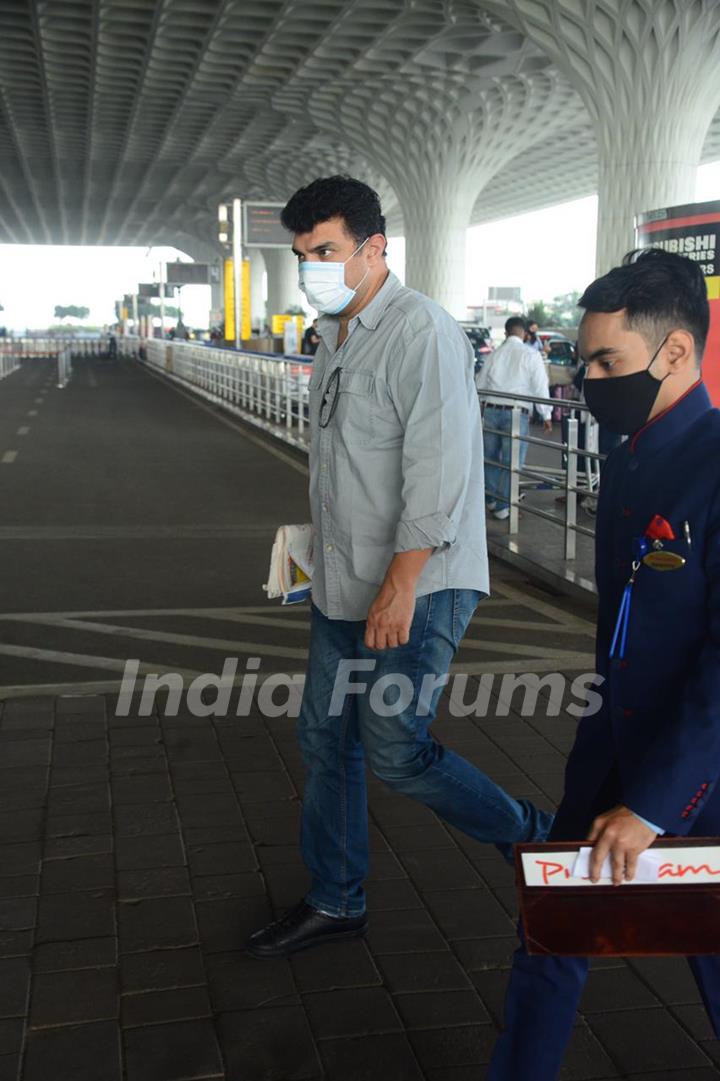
354, 413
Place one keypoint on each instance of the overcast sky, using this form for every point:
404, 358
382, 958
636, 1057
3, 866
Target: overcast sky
546, 253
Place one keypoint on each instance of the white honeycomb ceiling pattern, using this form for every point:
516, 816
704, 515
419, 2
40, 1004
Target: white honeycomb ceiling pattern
125, 121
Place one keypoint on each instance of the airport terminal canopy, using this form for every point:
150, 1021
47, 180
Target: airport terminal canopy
127, 121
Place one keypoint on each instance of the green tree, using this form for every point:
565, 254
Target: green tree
538, 313
71, 311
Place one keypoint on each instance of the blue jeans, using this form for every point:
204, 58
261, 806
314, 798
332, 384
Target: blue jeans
340, 732
497, 449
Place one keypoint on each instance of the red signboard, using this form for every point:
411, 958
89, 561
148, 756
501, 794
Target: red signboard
692, 230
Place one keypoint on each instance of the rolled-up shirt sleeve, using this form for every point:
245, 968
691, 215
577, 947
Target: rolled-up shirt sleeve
436, 401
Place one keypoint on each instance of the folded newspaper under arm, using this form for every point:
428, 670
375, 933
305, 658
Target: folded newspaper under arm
291, 564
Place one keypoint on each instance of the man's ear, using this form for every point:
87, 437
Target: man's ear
376, 246
680, 350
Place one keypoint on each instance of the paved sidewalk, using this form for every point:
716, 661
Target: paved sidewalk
137, 853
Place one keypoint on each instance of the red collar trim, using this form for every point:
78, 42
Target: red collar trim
660, 416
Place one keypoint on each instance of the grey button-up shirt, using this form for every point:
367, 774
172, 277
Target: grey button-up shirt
399, 467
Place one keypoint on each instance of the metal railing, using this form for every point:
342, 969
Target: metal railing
567, 479
272, 393
28, 348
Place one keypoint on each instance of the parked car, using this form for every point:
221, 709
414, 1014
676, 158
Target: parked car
480, 340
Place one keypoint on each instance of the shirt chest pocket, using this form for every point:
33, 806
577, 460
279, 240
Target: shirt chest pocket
355, 410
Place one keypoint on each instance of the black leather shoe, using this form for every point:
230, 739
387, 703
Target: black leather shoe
300, 929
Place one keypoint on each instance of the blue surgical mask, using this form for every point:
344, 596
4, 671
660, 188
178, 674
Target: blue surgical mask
325, 287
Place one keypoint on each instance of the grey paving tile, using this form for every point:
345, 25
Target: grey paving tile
393, 893
83, 1053
161, 970
73, 997
458, 1045
140, 853
82, 845
16, 943
261, 1043
153, 882
20, 859
78, 873
222, 887
90, 752
145, 819
669, 977
473, 913
664, 1044
156, 923
11, 1036
404, 931
335, 965
63, 917
62, 776
172, 1052
358, 1011
227, 857
238, 981
16, 826
226, 925
17, 913
78, 825
82, 953
615, 989
19, 886
155, 1007
361, 1059
438, 1009
446, 865
143, 788
422, 972
9, 1066
14, 986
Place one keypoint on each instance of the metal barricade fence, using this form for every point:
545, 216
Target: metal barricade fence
267, 390
566, 479
272, 393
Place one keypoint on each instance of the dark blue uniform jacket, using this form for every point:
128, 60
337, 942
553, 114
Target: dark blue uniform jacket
658, 731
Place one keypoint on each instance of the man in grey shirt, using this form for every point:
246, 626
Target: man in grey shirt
397, 504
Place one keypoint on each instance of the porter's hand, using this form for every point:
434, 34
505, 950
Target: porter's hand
620, 835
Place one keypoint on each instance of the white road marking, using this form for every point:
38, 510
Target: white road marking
32, 413
85, 660
146, 635
9, 457
39, 401
23, 431
130, 532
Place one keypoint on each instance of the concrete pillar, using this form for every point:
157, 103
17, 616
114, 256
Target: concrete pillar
438, 145
647, 73
282, 272
257, 300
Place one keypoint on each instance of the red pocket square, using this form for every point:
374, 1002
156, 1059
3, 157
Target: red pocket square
660, 529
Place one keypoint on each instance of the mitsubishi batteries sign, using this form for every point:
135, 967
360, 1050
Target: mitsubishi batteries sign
692, 230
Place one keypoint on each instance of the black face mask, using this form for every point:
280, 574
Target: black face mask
622, 403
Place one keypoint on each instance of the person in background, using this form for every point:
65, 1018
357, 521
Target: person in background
311, 339
531, 337
648, 761
513, 368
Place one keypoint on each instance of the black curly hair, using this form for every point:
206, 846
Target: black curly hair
335, 197
659, 291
